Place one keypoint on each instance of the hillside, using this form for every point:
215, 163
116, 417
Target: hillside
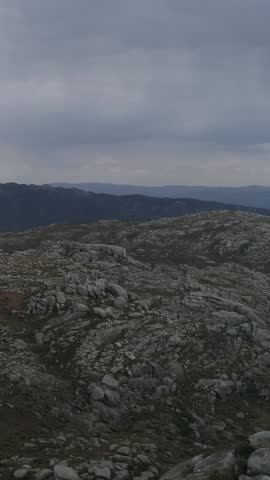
127, 348
27, 206
251, 195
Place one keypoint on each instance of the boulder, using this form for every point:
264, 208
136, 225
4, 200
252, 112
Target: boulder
82, 290
257, 477
223, 389
120, 302
122, 475
97, 394
44, 474
60, 298
178, 472
62, 472
100, 312
223, 463
22, 473
80, 308
260, 440
110, 382
103, 473
101, 284
112, 397
117, 290
260, 477
259, 462
113, 250
39, 337
144, 459
124, 451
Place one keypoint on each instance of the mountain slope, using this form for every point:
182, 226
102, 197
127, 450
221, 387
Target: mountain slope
27, 206
251, 195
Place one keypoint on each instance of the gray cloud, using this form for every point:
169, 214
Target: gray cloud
151, 91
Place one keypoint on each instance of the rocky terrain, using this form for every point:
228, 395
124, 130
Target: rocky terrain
136, 350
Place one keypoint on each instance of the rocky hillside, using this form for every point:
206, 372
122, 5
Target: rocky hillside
27, 206
136, 350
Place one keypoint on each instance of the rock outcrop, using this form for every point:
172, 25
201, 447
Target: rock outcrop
126, 349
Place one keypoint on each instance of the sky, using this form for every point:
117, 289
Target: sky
145, 92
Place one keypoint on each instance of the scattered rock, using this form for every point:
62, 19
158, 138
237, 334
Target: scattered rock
62, 472
103, 473
110, 382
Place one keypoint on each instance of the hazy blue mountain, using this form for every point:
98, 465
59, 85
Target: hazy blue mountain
27, 206
252, 195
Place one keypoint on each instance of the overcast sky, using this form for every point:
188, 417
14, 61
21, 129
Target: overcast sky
135, 91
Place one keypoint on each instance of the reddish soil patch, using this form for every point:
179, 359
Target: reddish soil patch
11, 301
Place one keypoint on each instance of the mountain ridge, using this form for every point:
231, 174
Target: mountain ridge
27, 206
249, 195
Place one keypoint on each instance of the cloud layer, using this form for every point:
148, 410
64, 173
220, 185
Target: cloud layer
145, 91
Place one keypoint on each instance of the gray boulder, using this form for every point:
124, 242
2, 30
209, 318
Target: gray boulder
60, 298
117, 290
80, 308
100, 312
110, 382
103, 473
44, 474
259, 462
178, 472
260, 440
22, 473
82, 290
97, 394
222, 464
62, 472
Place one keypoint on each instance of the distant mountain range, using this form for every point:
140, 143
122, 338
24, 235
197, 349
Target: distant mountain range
251, 196
26, 206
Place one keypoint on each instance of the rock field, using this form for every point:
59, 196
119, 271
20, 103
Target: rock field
136, 350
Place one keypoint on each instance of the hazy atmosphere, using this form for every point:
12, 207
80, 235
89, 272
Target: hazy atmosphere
145, 91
